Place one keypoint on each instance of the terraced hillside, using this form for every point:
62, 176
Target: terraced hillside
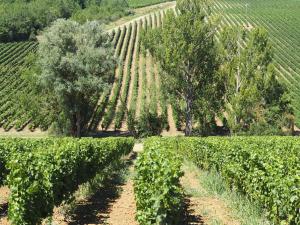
137, 81
282, 20
136, 86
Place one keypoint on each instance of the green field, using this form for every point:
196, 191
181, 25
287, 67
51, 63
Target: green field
281, 19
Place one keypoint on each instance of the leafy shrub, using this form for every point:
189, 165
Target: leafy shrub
266, 169
157, 188
46, 176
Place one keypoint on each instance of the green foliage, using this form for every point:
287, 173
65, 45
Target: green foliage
253, 95
121, 110
159, 197
105, 11
76, 63
48, 174
188, 57
279, 18
266, 169
20, 20
10, 146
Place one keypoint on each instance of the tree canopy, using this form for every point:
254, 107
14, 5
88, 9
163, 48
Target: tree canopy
23, 19
188, 56
253, 94
233, 78
76, 64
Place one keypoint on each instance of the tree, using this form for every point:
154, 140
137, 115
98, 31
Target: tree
76, 63
185, 47
253, 95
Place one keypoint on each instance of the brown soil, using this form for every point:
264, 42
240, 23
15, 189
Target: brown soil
158, 89
148, 76
24, 133
4, 194
140, 88
123, 210
214, 207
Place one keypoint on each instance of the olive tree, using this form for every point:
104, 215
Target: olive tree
76, 63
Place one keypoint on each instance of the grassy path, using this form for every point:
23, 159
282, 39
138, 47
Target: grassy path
210, 210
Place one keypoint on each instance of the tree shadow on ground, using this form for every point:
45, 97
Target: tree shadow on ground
100, 134
190, 216
96, 209
3, 209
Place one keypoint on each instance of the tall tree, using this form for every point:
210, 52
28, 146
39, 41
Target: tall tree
185, 47
253, 95
76, 63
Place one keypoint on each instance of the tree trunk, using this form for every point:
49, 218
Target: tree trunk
189, 114
78, 125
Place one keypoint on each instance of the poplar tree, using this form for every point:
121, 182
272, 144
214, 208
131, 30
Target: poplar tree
185, 47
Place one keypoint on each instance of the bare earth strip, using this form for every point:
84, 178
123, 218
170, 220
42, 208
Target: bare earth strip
148, 77
158, 89
140, 89
123, 210
214, 208
26, 132
4, 194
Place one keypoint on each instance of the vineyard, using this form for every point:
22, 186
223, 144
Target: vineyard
69, 163
281, 19
12, 61
136, 86
265, 169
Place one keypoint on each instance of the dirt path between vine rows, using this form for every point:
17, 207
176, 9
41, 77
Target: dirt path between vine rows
211, 210
123, 210
140, 85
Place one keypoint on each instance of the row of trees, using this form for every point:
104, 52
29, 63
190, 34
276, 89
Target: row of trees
22, 19
229, 76
232, 77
